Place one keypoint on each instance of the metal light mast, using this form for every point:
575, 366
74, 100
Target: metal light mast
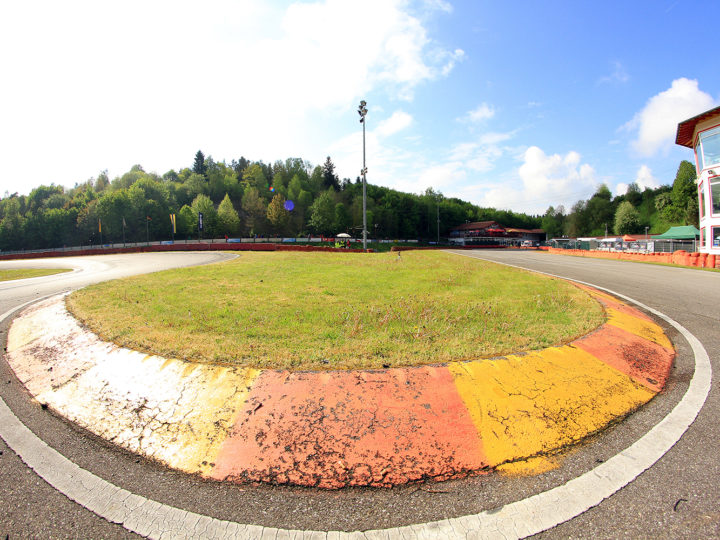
362, 111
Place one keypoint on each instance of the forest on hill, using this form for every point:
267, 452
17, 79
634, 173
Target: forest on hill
292, 198
288, 198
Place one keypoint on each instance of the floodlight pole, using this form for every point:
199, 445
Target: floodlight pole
362, 111
438, 218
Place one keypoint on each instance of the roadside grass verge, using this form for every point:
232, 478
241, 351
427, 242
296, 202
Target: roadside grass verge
11, 274
322, 311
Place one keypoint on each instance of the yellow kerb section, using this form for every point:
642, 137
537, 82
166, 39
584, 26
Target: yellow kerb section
640, 327
535, 404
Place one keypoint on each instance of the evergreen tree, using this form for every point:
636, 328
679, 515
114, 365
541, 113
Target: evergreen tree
199, 166
330, 179
239, 166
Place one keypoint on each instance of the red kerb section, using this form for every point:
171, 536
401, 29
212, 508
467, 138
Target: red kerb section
642, 360
351, 428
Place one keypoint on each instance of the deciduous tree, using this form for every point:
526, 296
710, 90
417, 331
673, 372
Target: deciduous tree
627, 219
322, 214
254, 210
228, 219
202, 203
277, 214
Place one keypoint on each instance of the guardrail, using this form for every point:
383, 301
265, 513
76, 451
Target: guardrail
220, 244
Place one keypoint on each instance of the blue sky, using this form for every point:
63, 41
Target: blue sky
515, 105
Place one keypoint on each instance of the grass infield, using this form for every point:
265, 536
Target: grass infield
322, 311
23, 273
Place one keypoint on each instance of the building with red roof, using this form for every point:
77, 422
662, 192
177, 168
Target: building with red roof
492, 232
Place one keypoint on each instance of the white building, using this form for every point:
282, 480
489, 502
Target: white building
702, 133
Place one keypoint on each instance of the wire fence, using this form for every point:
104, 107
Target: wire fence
633, 246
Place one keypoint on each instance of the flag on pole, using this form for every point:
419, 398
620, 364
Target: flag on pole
124, 224
172, 220
99, 226
148, 218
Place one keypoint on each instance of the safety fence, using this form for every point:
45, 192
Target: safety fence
680, 257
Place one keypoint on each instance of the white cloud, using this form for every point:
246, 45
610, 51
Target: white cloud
479, 113
482, 154
656, 124
399, 121
101, 85
441, 5
449, 59
495, 138
388, 164
621, 188
645, 179
618, 75
441, 177
544, 180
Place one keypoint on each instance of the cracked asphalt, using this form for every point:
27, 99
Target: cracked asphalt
370, 508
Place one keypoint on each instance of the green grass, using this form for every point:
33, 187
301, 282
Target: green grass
23, 273
337, 310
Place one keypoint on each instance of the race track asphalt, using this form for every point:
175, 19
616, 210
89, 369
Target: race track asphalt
676, 498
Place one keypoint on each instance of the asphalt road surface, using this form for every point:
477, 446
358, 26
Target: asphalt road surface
677, 497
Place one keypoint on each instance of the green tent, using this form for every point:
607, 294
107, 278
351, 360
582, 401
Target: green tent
686, 232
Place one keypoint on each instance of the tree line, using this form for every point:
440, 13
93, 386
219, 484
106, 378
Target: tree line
657, 209
293, 198
290, 198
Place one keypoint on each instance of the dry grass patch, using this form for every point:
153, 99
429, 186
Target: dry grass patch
290, 310
10, 274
